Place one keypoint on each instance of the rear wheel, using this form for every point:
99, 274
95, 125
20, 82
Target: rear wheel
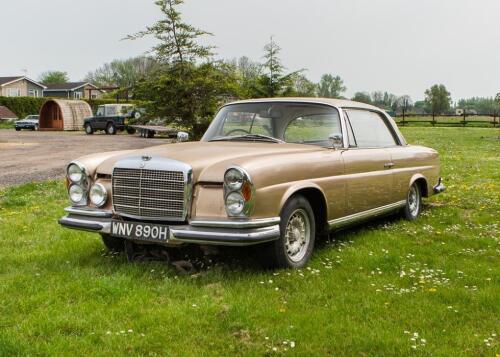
413, 202
297, 232
131, 131
112, 243
111, 129
35, 128
88, 129
18, 129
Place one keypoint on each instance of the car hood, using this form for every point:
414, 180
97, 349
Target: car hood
209, 160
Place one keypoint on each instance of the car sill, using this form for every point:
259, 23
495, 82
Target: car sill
361, 216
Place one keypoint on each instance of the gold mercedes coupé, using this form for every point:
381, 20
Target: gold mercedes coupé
275, 172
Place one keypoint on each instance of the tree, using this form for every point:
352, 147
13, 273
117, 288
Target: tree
362, 97
303, 87
438, 99
403, 104
248, 74
188, 94
331, 87
274, 82
123, 73
54, 77
177, 40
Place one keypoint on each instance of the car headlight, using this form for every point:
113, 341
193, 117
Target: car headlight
238, 192
76, 193
234, 179
98, 195
76, 173
235, 203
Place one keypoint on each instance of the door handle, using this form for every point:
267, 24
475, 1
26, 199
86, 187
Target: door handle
388, 165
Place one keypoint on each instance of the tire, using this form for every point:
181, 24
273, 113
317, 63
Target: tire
35, 128
112, 243
88, 129
110, 129
18, 129
413, 205
131, 131
287, 252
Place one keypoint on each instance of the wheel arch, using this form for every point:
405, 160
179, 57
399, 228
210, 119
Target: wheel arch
317, 199
422, 183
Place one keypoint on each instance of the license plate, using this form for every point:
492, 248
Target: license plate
140, 231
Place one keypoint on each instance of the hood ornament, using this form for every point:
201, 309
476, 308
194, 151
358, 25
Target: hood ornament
144, 158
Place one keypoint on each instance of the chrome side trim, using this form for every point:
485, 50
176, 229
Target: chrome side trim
254, 223
360, 216
89, 212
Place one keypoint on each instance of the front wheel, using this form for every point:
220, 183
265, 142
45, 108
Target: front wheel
297, 232
413, 203
112, 243
36, 128
131, 131
18, 129
88, 129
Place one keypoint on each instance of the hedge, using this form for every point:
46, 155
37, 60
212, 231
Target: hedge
23, 106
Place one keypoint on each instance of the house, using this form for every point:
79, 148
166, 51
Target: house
6, 114
20, 86
73, 90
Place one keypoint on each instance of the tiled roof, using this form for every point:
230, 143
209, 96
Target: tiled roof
6, 113
66, 86
4, 80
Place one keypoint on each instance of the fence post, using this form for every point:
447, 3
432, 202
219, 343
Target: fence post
465, 114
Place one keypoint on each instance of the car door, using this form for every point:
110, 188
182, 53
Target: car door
99, 120
367, 161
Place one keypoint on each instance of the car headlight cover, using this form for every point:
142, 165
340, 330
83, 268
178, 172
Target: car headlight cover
76, 173
76, 193
98, 195
234, 179
235, 203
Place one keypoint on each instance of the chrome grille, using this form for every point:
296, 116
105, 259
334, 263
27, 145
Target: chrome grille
152, 194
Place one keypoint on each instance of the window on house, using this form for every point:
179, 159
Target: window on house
14, 92
94, 96
77, 95
33, 93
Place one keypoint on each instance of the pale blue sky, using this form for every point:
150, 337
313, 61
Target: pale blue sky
403, 46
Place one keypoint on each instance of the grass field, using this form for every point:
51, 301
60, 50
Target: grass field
6, 125
430, 287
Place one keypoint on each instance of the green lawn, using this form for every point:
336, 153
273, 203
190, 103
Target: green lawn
6, 125
430, 287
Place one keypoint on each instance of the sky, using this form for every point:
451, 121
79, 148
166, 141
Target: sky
400, 46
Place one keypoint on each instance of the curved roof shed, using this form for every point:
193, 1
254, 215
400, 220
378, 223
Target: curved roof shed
60, 114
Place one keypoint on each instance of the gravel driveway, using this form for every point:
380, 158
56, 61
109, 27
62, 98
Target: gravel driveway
29, 156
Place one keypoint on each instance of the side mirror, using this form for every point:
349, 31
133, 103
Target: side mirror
182, 136
336, 140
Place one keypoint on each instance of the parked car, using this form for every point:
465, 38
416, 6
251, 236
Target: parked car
298, 170
30, 122
112, 118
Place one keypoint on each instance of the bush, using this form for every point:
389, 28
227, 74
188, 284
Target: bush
23, 106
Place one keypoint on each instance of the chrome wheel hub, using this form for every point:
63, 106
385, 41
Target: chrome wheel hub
297, 235
413, 200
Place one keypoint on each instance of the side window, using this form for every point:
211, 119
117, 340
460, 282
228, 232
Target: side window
350, 134
313, 129
100, 111
110, 111
370, 129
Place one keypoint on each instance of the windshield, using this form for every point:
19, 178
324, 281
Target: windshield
300, 123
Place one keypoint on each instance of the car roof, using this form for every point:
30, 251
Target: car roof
117, 104
342, 103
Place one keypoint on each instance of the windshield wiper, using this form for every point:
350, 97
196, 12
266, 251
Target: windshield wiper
255, 137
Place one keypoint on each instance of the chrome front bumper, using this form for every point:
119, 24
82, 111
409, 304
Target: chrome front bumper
235, 232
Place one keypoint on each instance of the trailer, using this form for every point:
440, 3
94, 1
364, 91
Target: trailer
149, 131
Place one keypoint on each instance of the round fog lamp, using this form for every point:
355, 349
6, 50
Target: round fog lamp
98, 195
75, 173
235, 203
234, 179
76, 193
